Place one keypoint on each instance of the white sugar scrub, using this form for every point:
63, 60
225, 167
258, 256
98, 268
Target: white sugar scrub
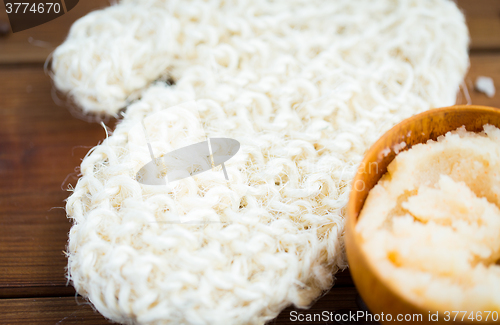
485, 85
398, 147
305, 86
431, 225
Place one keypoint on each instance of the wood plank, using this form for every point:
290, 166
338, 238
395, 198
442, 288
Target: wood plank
40, 145
75, 310
343, 279
60, 310
483, 20
484, 32
484, 65
35, 44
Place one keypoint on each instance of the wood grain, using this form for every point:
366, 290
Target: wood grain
75, 310
483, 20
57, 310
40, 145
484, 65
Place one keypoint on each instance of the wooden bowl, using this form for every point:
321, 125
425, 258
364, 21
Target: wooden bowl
379, 295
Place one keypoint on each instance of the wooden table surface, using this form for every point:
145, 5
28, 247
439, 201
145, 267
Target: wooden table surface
42, 143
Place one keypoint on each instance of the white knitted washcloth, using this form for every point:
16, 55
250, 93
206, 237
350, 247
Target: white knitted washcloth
305, 86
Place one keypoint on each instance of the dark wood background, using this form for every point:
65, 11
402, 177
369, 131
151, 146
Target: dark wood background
41, 145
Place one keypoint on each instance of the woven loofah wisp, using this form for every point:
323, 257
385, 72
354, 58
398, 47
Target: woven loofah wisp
305, 86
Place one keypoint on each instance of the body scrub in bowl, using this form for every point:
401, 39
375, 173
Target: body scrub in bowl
423, 234
432, 222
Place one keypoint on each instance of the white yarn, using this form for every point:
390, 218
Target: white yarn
305, 86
